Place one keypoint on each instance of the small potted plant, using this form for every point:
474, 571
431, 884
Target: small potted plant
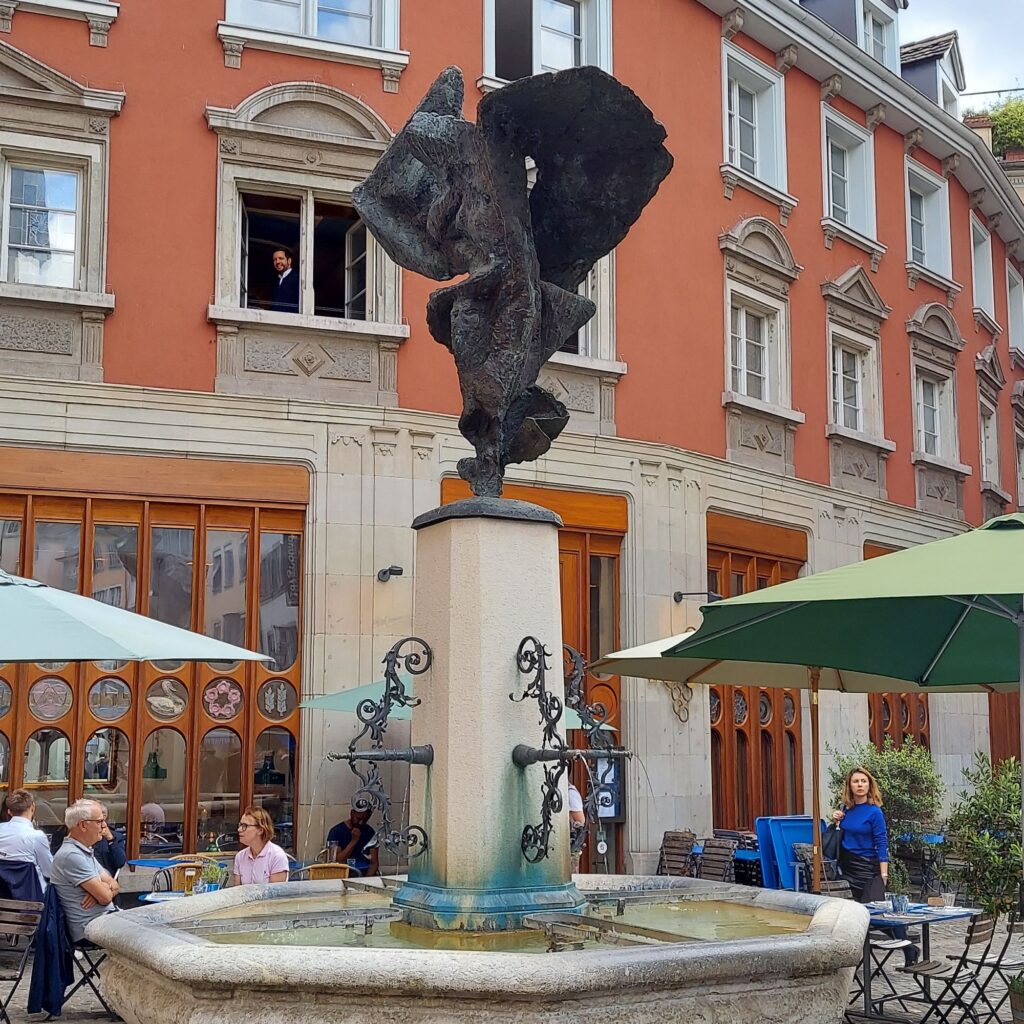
1016, 988
898, 887
212, 877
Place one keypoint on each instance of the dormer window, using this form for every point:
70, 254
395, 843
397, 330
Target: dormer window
878, 32
935, 68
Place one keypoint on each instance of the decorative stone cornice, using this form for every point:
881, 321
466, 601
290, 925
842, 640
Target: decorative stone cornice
786, 58
989, 369
933, 324
99, 15
831, 87
917, 272
875, 116
982, 318
977, 198
994, 220
833, 229
733, 178
854, 294
732, 22
950, 165
913, 139
7, 9
753, 264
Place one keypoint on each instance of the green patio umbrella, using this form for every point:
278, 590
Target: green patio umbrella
40, 623
946, 616
349, 700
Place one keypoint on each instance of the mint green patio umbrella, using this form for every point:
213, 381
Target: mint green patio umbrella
947, 616
40, 623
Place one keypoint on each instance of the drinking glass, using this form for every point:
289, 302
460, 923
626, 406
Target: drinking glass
332, 852
949, 899
190, 880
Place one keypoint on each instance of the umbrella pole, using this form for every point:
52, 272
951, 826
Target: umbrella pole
816, 781
1020, 719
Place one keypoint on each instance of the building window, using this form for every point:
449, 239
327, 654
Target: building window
356, 22
989, 442
1020, 469
981, 262
847, 392
754, 118
949, 96
878, 33
42, 216
754, 348
272, 229
928, 220
527, 37
849, 173
1015, 306
934, 415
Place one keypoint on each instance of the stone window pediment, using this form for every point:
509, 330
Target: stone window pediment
289, 156
934, 334
55, 136
989, 369
757, 253
855, 302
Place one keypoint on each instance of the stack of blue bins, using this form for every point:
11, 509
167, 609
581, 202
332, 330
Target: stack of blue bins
775, 838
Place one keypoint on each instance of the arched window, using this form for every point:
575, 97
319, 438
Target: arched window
220, 783
105, 772
274, 781
47, 760
162, 816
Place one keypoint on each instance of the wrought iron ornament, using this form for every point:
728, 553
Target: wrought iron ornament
532, 659
411, 841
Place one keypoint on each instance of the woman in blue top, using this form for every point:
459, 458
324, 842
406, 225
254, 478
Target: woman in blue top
864, 847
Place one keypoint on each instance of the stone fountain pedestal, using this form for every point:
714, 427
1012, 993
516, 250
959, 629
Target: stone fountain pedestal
486, 577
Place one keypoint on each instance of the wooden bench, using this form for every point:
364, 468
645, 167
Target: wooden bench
676, 855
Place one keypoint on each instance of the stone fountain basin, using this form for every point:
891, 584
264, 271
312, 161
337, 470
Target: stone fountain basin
157, 973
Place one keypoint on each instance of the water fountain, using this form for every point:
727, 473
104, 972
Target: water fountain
489, 924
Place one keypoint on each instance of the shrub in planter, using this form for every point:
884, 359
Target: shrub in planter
1016, 988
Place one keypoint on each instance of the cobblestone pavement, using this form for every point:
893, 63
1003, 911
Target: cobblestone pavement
946, 940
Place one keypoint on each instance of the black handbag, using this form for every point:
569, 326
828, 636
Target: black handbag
831, 841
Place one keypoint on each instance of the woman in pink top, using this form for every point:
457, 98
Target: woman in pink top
259, 860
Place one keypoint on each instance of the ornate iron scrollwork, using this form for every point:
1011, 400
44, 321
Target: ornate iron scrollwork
411, 841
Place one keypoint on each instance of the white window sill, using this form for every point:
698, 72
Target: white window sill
100, 14
996, 491
919, 272
939, 463
834, 229
367, 330
883, 444
234, 38
733, 178
488, 83
69, 298
589, 364
983, 318
778, 412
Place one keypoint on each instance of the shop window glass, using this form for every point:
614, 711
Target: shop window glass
109, 699
5, 764
224, 615
106, 772
57, 554
170, 575
220, 784
115, 552
280, 582
274, 782
10, 546
162, 817
47, 761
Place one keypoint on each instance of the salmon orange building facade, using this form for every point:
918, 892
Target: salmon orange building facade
220, 405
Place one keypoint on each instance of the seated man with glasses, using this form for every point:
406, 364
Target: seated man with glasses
259, 859
86, 889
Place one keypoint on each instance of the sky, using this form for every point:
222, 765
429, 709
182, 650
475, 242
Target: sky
990, 35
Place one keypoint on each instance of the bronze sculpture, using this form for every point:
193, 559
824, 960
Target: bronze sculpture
450, 198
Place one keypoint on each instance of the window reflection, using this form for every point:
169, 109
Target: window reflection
170, 579
115, 565
224, 616
5, 764
280, 573
220, 782
274, 781
47, 759
57, 554
10, 546
163, 793
106, 771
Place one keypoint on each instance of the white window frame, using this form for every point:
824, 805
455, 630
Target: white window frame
840, 406
768, 87
1015, 306
870, 426
872, 11
988, 433
383, 20
595, 44
1019, 444
981, 267
859, 145
947, 92
946, 444
777, 394
934, 190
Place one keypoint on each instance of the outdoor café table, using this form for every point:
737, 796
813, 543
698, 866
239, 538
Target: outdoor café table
156, 863
919, 914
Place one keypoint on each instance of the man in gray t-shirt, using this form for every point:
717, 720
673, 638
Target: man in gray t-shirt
86, 890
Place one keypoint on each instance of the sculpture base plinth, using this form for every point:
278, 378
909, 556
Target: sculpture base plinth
487, 910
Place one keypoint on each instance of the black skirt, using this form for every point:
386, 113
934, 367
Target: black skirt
864, 875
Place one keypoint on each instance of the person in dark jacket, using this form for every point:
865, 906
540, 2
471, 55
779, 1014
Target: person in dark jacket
285, 297
110, 850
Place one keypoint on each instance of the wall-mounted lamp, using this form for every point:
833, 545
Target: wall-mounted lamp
709, 594
392, 570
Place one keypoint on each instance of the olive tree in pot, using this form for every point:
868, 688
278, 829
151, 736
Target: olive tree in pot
1016, 988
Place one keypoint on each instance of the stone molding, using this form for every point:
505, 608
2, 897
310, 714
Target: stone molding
984, 319
833, 229
732, 22
934, 333
760, 435
940, 485
857, 463
831, 87
786, 58
757, 253
733, 178
99, 15
918, 272
876, 116
236, 38
854, 302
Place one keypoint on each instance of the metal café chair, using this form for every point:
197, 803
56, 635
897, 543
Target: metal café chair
20, 919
